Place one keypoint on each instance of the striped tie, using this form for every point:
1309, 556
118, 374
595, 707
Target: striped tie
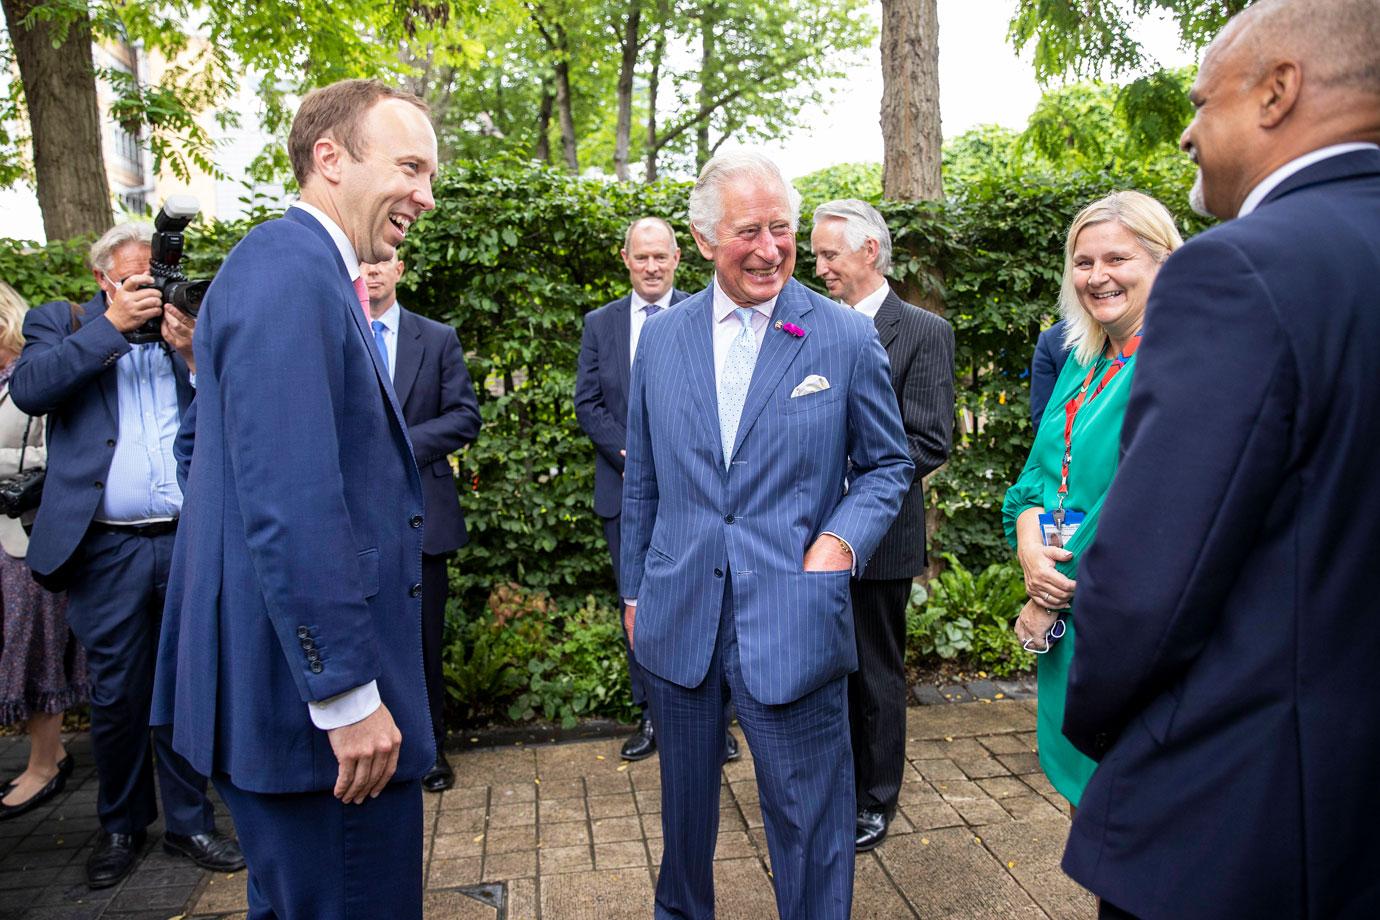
733, 386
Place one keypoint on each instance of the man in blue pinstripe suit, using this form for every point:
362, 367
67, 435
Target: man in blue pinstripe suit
766, 459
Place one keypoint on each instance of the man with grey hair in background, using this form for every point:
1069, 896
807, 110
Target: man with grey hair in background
1226, 611
105, 532
766, 459
852, 247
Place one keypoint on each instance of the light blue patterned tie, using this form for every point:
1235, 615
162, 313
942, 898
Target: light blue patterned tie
378, 327
733, 384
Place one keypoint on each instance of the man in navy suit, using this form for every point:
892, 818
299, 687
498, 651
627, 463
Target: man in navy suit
291, 659
601, 399
1226, 611
105, 529
1045, 365
766, 459
432, 383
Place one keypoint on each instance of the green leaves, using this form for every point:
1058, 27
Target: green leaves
968, 617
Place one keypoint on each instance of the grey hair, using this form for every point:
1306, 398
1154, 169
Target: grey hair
627, 236
103, 250
861, 222
1336, 39
706, 198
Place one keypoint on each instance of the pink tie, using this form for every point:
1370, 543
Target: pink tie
362, 292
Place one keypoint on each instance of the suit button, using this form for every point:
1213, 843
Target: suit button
718, 573
728, 518
303, 632
309, 645
109, 442
316, 667
415, 521
98, 484
416, 590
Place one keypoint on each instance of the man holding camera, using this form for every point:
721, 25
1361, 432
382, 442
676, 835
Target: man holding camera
105, 533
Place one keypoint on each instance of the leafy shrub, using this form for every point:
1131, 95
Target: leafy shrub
968, 617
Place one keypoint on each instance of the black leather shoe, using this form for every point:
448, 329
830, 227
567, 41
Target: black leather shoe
212, 850
440, 777
871, 828
642, 744
731, 750
50, 789
113, 859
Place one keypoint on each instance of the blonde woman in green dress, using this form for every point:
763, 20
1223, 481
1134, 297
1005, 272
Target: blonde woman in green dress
1114, 249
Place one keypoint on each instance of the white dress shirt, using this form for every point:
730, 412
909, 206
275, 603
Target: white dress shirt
390, 319
1273, 180
353, 705
870, 304
727, 326
638, 316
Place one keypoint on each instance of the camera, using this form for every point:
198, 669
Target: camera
165, 267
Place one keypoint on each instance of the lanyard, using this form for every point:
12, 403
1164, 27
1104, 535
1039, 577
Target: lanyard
1071, 413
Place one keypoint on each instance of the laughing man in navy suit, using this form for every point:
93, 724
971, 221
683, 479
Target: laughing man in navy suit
291, 658
742, 521
1227, 626
432, 383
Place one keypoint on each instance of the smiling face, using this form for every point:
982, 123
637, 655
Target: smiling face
850, 275
755, 252
378, 197
381, 278
1224, 138
651, 257
1112, 273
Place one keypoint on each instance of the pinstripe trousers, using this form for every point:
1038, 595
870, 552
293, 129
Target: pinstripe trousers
804, 767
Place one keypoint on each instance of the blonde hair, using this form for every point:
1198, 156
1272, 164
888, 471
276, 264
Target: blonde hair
12, 310
1153, 227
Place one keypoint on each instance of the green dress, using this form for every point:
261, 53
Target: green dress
1096, 445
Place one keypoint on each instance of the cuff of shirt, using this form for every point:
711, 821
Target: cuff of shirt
630, 601
191, 378
851, 555
346, 708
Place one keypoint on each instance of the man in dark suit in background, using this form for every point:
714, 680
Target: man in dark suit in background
1226, 610
105, 530
601, 399
852, 247
1045, 364
427, 367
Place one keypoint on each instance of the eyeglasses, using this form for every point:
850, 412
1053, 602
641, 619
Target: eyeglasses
1055, 633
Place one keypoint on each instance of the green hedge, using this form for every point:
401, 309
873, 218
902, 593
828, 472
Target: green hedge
515, 254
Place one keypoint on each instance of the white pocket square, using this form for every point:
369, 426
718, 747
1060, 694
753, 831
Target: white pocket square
811, 384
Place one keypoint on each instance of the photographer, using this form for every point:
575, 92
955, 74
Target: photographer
105, 532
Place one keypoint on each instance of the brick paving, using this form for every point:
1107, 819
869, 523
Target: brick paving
568, 832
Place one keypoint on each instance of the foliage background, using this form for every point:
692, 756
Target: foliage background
516, 253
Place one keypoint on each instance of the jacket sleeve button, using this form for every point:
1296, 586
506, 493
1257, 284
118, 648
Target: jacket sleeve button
416, 590
415, 521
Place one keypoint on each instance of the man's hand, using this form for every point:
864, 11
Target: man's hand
629, 616
827, 554
130, 307
368, 754
177, 332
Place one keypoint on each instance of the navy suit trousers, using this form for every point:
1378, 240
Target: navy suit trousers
804, 766
115, 608
612, 529
311, 857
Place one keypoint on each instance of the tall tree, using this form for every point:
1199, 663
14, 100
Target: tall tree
912, 167
628, 45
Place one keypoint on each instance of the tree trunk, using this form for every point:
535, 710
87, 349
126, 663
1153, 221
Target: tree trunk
628, 40
542, 151
911, 167
563, 103
707, 51
59, 83
653, 83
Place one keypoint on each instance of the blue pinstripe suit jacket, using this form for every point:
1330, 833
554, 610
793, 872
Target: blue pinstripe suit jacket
687, 521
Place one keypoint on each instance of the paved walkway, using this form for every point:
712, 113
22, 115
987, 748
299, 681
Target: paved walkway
569, 832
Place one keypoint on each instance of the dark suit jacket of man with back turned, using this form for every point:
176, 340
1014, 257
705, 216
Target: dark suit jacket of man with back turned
920, 348
1227, 628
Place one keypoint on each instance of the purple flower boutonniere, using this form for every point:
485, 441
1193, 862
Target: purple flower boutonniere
790, 328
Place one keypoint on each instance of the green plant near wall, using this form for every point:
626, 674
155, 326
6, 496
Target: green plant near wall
967, 617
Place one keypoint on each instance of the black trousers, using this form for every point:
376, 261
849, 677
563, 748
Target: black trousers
877, 691
435, 592
612, 530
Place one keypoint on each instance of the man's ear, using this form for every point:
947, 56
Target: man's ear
327, 155
705, 248
1281, 86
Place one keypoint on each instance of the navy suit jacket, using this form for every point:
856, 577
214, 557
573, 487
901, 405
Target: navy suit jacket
442, 413
70, 377
297, 567
687, 521
601, 395
1045, 364
1226, 612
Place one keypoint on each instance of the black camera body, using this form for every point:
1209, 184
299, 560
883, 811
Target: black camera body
165, 267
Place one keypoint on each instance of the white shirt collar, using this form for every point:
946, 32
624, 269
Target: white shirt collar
342, 242
1273, 180
391, 317
723, 306
870, 304
638, 301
